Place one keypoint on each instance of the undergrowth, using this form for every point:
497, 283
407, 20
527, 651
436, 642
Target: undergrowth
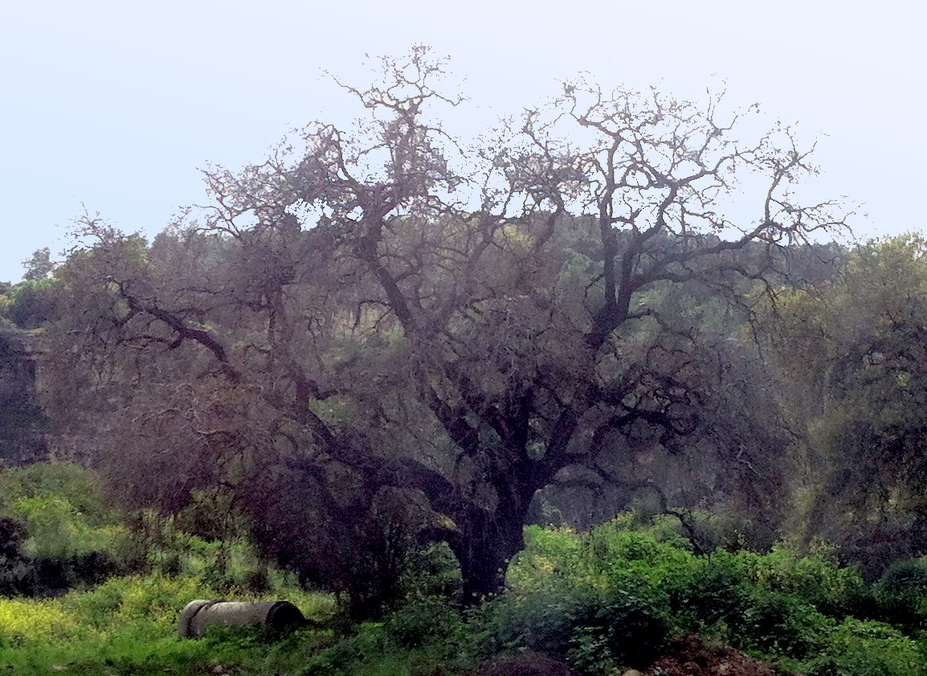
601, 601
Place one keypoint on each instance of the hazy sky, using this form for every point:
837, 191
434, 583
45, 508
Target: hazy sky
116, 104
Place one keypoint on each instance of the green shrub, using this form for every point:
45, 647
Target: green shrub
708, 595
150, 602
29, 624
369, 644
781, 624
155, 544
542, 619
549, 553
423, 620
72, 484
67, 537
60, 531
35, 302
609, 542
817, 579
868, 648
901, 594
589, 627
431, 571
778, 603
624, 631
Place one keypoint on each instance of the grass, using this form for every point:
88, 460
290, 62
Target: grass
595, 600
129, 625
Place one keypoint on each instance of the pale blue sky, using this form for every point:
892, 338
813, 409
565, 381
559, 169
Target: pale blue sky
115, 104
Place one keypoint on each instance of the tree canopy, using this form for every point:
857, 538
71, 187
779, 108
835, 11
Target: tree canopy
853, 349
384, 320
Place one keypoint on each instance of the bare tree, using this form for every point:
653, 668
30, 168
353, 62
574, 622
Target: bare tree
391, 308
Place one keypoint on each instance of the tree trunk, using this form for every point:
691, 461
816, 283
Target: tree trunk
484, 545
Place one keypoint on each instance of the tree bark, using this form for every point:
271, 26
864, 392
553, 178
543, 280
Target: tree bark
484, 545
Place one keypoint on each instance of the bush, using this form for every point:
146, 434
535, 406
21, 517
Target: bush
708, 594
625, 631
72, 484
865, 648
777, 603
783, 625
369, 644
901, 594
542, 619
816, 579
547, 554
23, 624
431, 571
150, 600
592, 629
423, 620
62, 533
36, 302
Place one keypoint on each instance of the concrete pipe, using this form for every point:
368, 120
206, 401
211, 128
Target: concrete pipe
198, 616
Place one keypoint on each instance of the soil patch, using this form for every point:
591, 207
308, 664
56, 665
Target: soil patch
691, 656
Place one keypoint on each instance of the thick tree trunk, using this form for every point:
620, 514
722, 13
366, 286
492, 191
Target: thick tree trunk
484, 545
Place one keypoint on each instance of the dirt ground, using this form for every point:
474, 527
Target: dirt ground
683, 656
691, 656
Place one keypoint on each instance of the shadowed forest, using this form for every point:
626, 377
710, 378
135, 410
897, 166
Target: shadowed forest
599, 388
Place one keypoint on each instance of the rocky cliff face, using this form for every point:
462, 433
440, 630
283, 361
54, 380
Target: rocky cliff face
23, 424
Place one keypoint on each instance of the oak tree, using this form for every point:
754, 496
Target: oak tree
385, 308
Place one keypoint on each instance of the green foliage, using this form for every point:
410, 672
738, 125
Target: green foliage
548, 552
901, 594
781, 624
710, 531
367, 645
601, 600
431, 571
58, 530
546, 618
624, 631
79, 488
854, 349
68, 537
150, 601
35, 303
818, 579
423, 620
128, 625
156, 544
869, 648
594, 599
778, 603
709, 595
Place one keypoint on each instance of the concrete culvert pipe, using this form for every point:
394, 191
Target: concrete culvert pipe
198, 616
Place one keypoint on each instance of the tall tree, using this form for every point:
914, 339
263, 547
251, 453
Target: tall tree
390, 308
40, 266
855, 349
